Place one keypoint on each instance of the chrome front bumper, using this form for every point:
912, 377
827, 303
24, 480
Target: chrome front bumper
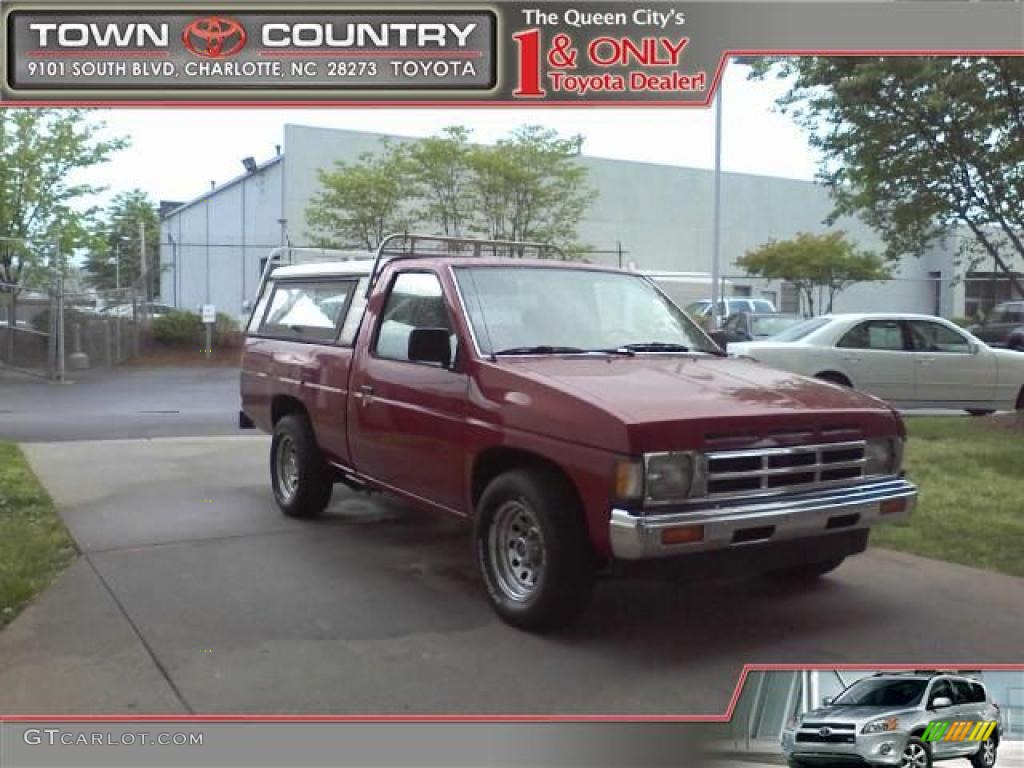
638, 536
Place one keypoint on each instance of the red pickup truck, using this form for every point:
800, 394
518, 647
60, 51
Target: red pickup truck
573, 413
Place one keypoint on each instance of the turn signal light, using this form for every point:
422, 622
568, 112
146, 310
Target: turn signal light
892, 506
685, 534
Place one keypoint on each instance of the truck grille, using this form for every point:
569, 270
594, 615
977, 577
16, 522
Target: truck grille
762, 471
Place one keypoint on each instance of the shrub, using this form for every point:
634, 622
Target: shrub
41, 320
178, 328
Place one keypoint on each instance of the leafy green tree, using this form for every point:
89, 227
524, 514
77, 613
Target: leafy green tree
439, 165
42, 152
530, 186
819, 266
113, 260
359, 203
919, 147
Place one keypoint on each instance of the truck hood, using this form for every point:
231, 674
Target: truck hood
678, 402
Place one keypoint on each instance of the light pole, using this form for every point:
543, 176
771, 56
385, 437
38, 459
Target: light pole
716, 217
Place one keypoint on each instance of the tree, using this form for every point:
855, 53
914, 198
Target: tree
360, 203
41, 200
818, 265
439, 165
118, 241
917, 146
530, 186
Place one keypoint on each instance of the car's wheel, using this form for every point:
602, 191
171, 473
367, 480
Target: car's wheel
979, 412
533, 549
808, 571
834, 378
1020, 400
915, 754
300, 477
985, 757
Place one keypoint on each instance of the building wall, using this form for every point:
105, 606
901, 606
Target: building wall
661, 216
213, 246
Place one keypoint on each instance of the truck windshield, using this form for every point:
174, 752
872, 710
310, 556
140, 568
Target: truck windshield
551, 310
882, 693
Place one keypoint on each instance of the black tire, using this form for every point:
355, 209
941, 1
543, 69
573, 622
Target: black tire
979, 412
533, 550
808, 571
306, 492
835, 378
917, 748
1020, 400
987, 753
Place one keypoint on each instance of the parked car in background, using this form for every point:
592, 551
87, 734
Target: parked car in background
730, 306
131, 311
912, 361
1004, 326
755, 326
884, 720
578, 418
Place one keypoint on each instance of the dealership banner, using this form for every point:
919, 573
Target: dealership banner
543, 53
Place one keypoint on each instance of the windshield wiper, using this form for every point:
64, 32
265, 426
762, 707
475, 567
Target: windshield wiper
542, 349
666, 346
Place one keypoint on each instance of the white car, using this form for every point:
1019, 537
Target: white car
912, 361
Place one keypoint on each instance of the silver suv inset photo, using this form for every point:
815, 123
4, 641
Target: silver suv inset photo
892, 719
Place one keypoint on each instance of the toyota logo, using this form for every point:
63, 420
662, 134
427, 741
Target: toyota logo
214, 37
825, 732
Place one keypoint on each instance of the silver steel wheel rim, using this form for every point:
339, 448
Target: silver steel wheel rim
988, 752
287, 467
517, 550
914, 756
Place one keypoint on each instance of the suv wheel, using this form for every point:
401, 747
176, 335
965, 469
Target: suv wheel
299, 475
533, 550
915, 754
985, 757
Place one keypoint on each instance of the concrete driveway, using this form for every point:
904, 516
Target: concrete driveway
194, 594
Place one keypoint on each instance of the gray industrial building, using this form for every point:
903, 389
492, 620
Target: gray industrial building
658, 216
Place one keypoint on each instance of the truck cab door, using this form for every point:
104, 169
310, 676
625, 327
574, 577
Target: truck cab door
406, 418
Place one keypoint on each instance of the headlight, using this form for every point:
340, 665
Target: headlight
883, 457
660, 478
881, 726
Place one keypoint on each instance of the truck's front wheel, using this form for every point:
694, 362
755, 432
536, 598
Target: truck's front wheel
298, 474
533, 549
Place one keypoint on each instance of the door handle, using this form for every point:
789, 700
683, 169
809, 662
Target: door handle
364, 394
925, 360
366, 389
851, 359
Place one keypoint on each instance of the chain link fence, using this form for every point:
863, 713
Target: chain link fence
47, 331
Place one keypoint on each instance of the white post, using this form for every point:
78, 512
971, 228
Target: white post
716, 219
142, 262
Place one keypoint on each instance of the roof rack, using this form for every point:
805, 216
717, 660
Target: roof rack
413, 246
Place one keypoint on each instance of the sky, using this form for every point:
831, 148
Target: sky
175, 153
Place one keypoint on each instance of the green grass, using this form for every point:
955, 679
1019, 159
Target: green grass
971, 507
34, 545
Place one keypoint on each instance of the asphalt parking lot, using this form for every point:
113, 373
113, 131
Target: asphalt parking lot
193, 594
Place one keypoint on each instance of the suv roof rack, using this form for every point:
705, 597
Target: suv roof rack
413, 246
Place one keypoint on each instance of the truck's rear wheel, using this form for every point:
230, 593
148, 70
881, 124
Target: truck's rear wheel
299, 475
533, 549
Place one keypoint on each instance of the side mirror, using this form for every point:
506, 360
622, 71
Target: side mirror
430, 345
827, 701
942, 702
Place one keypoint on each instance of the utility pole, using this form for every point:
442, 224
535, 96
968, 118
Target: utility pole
716, 219
142, 261
60, 310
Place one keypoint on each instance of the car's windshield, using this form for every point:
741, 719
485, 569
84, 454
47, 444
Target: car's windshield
883, 693
771, 325
554, 310
801, 330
